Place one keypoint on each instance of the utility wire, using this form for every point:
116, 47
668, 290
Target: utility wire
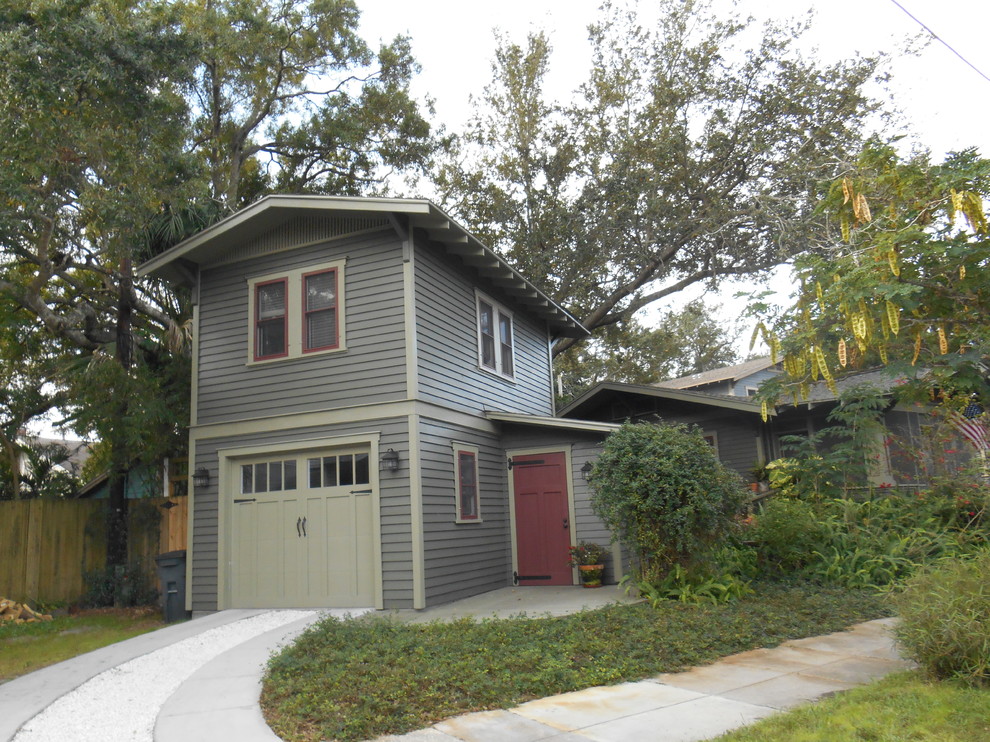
944, 43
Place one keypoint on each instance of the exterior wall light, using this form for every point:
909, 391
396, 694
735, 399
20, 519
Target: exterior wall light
390, 460
586, 470
201, 478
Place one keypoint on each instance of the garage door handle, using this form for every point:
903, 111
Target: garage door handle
304, 528
298, 529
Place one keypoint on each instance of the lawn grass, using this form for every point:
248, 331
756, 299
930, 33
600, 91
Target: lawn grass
31, 646
350, 680
898, 707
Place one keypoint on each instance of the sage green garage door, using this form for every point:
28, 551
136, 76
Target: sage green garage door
302, 531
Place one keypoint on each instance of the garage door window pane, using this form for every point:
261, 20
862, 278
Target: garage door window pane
315, 480
261, 477
329, 471
362, 475
247, 479
346, 470
275, 476
289, 474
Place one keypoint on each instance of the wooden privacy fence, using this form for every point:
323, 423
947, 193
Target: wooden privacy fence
46, 546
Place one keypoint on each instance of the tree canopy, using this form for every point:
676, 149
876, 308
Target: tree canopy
130, 125
689, 155
904, 278
697, 338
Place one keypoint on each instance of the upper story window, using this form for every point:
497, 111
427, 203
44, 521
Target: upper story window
297, 312
271, 319
495, 338
320, 327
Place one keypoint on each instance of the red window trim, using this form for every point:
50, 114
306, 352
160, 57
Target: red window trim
477, 494
285, 319
336, 313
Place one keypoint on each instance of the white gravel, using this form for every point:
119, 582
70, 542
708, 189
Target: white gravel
121, 704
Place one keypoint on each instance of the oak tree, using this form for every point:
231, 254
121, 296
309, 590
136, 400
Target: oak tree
690, 154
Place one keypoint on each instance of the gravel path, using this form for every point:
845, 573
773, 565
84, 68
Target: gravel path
121, 704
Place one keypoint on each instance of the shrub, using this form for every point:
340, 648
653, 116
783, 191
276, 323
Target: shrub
123, 586
662, 490
945, 619
787, 532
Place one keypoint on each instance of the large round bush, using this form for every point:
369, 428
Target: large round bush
945, 619
662, 490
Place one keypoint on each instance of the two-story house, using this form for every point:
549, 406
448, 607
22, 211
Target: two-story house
372, 412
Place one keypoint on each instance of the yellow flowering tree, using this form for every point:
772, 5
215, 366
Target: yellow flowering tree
905, 282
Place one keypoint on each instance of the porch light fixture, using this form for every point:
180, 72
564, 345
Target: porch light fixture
586, 470
390, 460
201, 478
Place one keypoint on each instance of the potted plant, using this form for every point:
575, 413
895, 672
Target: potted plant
589, 559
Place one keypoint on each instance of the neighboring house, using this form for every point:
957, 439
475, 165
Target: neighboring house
372, 414
169, 478
741, 380
732, 422
49, 466
76, 452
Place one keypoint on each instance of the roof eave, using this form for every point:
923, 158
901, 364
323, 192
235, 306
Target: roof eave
591, 426
178, 263
743, 404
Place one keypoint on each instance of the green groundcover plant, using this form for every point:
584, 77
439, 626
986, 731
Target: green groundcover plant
357, 679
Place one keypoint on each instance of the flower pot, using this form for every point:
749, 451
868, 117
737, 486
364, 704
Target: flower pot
591, 574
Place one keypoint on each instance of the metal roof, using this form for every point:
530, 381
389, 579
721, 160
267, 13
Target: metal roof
726, 373
178, 263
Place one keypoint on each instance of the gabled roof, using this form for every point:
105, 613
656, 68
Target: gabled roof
726, 373
179, 263
724, 401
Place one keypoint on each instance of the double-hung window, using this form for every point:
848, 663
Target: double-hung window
468, 506
495, 338
271, 319
320, 310
296, 313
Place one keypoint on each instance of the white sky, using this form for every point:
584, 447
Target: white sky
944, 101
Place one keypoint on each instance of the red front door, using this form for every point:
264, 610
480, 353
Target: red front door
542, 524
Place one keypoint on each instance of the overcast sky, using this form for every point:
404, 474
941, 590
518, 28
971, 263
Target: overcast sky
943, 100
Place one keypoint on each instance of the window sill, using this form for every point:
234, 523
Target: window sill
462, 521
496, 374
296, 356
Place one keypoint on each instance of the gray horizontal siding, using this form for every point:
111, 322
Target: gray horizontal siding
463, 559
394, 508
753, 380
447, 343
736, 433
372, 369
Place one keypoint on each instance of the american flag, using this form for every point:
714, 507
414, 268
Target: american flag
972, 424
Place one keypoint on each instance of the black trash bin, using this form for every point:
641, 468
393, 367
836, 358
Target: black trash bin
171, 568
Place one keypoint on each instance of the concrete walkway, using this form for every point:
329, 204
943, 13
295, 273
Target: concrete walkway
699, 704
219, 700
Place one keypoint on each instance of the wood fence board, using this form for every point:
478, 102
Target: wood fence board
46, 546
